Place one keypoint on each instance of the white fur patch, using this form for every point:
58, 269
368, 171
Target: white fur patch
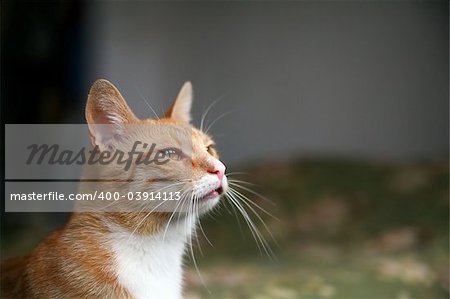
151, 266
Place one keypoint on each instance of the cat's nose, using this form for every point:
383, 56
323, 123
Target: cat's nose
217, 167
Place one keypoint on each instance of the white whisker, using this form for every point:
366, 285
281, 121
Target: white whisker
205, 114
217, 119
148, 105
234, 197
245, 200
253, 192
252, 202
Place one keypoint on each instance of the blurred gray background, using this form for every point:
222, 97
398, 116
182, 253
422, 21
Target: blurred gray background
365, 79
345, 83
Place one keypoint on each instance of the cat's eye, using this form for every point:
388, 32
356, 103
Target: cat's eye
172, 154
211, 149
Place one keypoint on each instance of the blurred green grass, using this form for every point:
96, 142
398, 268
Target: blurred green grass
345, 230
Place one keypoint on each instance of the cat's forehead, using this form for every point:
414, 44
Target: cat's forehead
197, 134
175, 129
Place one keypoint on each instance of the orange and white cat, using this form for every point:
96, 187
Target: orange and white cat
126, 254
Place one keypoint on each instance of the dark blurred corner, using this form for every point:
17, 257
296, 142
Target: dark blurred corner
42, 59
42, 69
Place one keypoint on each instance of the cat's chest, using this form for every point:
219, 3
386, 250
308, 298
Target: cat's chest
150, 266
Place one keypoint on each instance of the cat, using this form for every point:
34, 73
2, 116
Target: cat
130, 254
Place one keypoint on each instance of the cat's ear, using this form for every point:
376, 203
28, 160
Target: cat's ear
107, 115
181, 107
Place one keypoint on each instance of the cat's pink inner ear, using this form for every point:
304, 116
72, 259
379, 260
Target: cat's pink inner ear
181, 107
107, 114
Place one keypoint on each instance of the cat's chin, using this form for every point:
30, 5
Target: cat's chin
207, 203
204, 205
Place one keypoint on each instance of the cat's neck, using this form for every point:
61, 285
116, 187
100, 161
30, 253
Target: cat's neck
151, 264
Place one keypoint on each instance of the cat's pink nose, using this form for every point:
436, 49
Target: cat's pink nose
217, 168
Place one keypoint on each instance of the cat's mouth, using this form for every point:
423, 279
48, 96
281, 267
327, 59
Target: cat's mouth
219, 190
213, 194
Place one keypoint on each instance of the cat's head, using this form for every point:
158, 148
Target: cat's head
187, 161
